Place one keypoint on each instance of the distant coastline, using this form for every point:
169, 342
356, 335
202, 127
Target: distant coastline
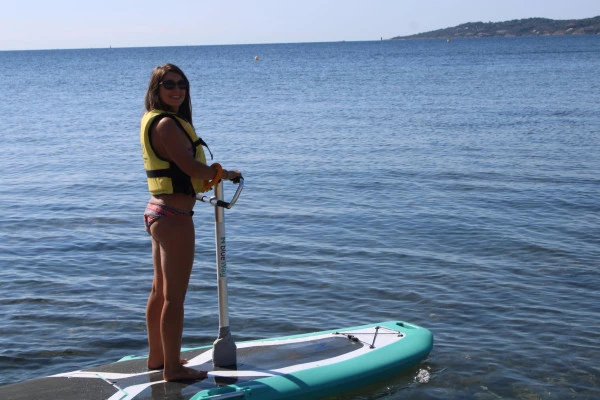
517, 27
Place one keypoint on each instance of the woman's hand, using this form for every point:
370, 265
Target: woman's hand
233, 175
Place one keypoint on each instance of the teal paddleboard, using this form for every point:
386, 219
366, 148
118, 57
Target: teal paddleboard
308, 366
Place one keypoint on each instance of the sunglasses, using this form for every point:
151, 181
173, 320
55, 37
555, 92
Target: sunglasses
170, 84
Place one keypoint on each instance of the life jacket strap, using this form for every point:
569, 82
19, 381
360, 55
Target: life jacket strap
203, 143
159, 173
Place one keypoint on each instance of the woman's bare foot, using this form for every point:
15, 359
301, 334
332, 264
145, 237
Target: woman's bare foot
184, 374
161, 366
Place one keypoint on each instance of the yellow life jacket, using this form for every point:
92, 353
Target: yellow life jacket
164, 176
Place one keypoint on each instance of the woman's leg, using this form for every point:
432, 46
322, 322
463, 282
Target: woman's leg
154, 308
175, 237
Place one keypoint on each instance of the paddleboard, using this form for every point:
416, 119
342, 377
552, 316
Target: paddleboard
308, 366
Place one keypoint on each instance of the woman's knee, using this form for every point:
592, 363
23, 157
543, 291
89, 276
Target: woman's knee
156, 292
173, 304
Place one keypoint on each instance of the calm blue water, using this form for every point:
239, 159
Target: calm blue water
452, 185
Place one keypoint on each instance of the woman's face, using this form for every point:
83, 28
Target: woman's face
170, 92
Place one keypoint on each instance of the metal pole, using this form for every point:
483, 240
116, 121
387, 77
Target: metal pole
224, 348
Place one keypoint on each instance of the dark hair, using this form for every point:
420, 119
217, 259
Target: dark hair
153, 99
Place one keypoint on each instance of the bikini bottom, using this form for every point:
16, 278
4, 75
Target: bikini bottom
156, 211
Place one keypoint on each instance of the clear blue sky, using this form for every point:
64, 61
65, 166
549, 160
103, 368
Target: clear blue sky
52, 24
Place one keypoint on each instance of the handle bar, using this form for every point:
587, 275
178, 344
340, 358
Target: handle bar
220, 203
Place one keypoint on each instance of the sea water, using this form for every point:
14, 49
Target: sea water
452, 185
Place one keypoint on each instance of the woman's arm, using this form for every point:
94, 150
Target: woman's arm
173, 144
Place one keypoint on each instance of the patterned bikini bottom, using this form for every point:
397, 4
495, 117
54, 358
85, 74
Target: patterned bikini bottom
156, 211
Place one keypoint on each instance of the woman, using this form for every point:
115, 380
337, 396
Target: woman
176, 169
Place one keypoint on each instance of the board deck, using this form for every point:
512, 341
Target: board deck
293, 367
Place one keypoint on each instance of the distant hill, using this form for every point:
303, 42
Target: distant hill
517, 27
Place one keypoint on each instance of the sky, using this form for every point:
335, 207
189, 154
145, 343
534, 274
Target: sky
66, 24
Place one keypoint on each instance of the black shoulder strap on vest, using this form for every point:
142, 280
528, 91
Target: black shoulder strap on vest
201, 142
